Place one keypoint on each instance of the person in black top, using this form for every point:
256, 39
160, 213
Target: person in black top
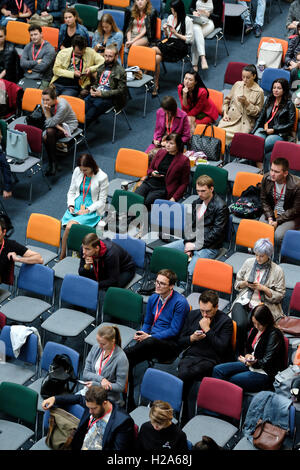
10, 252
9, 59
21, 10
160, 434
105, 262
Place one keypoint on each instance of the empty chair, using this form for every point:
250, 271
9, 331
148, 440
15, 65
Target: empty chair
217, 396
236, 10
290, 249
44, 229
88, 15
269, 75
294, 305
218, 33
290, 151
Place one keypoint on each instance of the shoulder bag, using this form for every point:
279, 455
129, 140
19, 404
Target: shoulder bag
62, 427
267, 436
16, 145
209, 145
290, 326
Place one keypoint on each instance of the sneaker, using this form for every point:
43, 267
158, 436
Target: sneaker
257, 30
248, 28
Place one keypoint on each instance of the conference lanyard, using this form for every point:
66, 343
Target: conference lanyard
107, 78
107, 359
2, 246
36, 55
173, 24
92, 421
157, 313
84, 193
275, 199
169, 128
19, 5
74, 65
139, 23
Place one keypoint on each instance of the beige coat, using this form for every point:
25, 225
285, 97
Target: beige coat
242, 119
275, 282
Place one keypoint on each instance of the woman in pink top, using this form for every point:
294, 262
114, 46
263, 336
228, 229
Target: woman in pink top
195, 101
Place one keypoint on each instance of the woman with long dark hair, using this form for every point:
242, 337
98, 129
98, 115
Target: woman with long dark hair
242, 105
195, 101
86, 197
178, 31
72, 26
276, 119
142, 24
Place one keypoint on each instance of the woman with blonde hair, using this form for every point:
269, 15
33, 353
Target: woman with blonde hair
107, 364
107, 33
141, 27
160, 433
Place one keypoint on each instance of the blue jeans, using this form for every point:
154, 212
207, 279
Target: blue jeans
260, 12
239, 374
210, 253
269, 144
94, 107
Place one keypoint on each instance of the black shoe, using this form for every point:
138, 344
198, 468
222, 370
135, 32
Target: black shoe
248, 28
257, 30
51, 170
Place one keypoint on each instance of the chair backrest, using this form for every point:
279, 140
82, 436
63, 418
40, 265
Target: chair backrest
270, 74
29, 350
295, 127
218, 174
134, 246
289, 151
221, 397
143, 57
78, 106
34, 137
88, 15
76, 234
233, 72
290, 246
121, 54
17, 32
36, 278
131, 162
44, 228
234, 333
80, 291
160, 385
50, 351
51, 35
123, 304
169, 258
283, 42
217, 97
168, 215
249, 231
123, 200
295, 298
247, 146
18, 401
213, 274
118, 16
219, 133
31, 97
158, 28
117, 3
243, 180
156, 4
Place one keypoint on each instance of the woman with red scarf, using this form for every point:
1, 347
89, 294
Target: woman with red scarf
105, 262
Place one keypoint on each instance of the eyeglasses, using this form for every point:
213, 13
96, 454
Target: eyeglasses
162, 284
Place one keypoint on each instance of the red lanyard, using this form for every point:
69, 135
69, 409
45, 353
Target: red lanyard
257, 280
19, 5
157, 313
275, 199
92, 421
74, 65
84, 193
36, 55
139, 23
2, 246
274, 111
169, 128
107, 78
101, 360
173, 24
256, 339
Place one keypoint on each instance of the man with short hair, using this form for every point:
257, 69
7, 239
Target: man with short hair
103, 425
207, 240
280, 199
110, 88
206, 340
38, 57
74, 67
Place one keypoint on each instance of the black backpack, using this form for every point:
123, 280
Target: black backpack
248, 206
57, 380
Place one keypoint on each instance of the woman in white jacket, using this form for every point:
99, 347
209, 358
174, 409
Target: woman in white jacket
86, 197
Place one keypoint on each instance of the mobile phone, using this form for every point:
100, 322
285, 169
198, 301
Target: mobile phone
74, 214
199, 332
251, 360
81, 382
138, 333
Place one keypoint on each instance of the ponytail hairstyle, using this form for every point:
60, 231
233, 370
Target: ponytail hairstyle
111, 333
252, 69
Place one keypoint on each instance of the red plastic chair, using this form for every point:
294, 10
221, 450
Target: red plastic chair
295, 298
287, 150
34, 137
15, 94
233, 72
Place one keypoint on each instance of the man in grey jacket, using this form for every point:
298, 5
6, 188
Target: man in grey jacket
37, 58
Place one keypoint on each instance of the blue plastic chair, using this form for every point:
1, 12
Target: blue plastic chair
290, 248
118, 16
18, 372
156, 4
78, 291
269, 75
137, 249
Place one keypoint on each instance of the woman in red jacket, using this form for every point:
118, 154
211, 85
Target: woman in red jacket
168, 174
195, 101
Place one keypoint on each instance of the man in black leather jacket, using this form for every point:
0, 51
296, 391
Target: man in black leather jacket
209, 218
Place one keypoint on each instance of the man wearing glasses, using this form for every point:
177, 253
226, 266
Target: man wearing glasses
166, 312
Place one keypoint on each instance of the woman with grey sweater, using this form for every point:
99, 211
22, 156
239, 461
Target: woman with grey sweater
107, 364
60, 122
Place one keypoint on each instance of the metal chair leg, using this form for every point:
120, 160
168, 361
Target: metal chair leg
125, 115
114, 127
145, 102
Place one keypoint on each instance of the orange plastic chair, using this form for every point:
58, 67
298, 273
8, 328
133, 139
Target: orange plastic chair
296, 360
51, 35
142, 56
158, 29
283, 42
213, 274
128, 162
31, 97
117, 3
121, 54
295, 127
44, 229
217, 97
234, 332
249, 231
243, 180
218, 131
17, 32
77, 105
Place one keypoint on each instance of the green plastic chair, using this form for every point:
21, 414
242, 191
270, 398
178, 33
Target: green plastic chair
3, 129
169, 258
88, 14
19, 402
131, 199
219, 175
187, 5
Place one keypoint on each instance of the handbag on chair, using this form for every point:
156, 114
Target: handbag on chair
16, 145
267, 436
209, 145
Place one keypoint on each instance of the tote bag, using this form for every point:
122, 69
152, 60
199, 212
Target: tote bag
271, 54
210, 145
16, 145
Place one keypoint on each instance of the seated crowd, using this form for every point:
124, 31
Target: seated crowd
201, 340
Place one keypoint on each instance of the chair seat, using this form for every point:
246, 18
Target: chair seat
116, 184
139, 83
126, 333
219, 430
237, 260
14, 373
19, 120
36, 386
24, 309
47, 255
291, 274
193, 300
25, 166
140, 415
214, 33
68, 265
233, 9
13, 435
244, 444
233, 168
4, 294
40, 445
67, 322
134, 280
75, 134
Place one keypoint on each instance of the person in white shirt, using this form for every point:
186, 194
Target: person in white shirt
202, 26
